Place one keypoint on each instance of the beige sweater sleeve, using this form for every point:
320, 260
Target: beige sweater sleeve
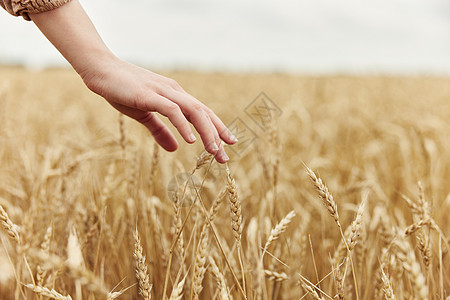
24, 7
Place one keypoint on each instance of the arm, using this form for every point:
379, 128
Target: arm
134, 91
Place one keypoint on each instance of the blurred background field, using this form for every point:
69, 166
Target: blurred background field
68, 164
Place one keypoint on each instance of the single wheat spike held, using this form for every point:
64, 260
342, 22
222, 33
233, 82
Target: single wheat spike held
203, 160
325, 195
235, 207
145, 288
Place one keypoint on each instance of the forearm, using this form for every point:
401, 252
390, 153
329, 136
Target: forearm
71, 31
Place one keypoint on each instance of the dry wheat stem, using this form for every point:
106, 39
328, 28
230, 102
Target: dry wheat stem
175, 241
236, 219
330, 204
214, 231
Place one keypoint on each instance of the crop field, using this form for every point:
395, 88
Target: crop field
337, 189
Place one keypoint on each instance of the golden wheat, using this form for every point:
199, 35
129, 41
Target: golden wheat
77, 186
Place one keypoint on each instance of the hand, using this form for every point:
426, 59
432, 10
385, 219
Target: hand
139, 94
134, 91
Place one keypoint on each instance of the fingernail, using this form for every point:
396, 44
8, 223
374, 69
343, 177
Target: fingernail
232, 136
214, 147
225, 156
192, 137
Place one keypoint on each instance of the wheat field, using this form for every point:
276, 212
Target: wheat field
340, 193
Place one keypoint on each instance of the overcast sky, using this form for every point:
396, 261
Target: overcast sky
304, 36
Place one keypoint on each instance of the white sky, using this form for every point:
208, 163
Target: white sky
305, 36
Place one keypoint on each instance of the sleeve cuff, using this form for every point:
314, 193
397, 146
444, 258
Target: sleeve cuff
25, 7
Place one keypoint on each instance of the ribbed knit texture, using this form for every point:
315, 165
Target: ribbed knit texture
25, 7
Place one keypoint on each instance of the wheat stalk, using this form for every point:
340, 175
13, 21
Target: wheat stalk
145, 288
177, 292
45, 247
235, 208
200, 262
325, 195
387, 287
220, 279
43, 291
279, 229
276, 276
11, 229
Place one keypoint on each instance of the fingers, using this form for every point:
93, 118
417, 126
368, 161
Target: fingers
207, 124
224, 132
161, 133
173, 112
155, 93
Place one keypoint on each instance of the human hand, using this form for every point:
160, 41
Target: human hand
140, 94
136, 92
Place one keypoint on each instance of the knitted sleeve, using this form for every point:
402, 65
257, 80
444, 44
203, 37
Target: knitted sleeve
24, 7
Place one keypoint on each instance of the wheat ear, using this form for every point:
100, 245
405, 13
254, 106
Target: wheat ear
177, 292
200, 262
387, 287
330, 204
279, 229
145, 288
325, 195
11, 229
43, 291
220, 279
235, 208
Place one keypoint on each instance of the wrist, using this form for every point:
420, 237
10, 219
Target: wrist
96, 64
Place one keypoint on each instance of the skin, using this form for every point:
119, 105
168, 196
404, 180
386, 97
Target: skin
134, 91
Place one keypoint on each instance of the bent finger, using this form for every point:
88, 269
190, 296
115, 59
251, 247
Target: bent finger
172, 111
160, 132
194, 112
162, 135
225, 134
